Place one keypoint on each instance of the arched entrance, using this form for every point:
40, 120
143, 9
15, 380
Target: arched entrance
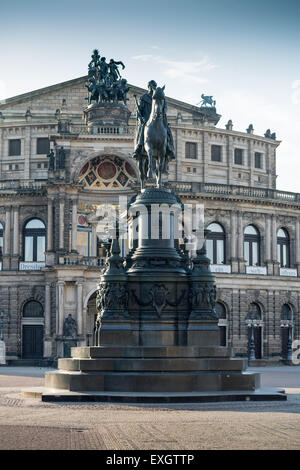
32, 330
223, 323
286, 326
254, 323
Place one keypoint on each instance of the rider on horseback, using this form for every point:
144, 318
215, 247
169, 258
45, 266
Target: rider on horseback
143, 114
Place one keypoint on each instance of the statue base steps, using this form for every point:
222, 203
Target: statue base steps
50, 395
108, 373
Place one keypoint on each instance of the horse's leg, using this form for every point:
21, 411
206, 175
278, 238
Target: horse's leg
150, 161
158, 171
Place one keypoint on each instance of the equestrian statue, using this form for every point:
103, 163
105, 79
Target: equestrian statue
154, 147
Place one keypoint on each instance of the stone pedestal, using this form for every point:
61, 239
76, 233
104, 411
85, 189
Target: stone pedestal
157, 334
106, 114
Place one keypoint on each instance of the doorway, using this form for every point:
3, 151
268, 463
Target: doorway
32, 344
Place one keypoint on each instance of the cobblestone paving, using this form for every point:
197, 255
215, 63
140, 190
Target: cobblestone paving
31, 424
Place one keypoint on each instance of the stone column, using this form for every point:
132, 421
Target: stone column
16, 232
61, 309
94, 241
233, 241
229, 159
240, 255
15, 254
48, 309
274, 246
7, 239
61, 224
205, 152
74, 226
47, 338
50, 225
50, 255
79, 307
251, 161
268, 257
27, 152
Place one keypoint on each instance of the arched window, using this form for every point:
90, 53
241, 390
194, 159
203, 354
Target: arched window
33, 309
252, 246
286, 312
215, 244
283, 248
254, 311
34, 240
223, 323
1, 239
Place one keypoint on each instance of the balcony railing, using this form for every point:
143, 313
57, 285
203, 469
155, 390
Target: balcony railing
102, 130
234, 190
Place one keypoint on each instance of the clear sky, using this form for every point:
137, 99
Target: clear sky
243, 52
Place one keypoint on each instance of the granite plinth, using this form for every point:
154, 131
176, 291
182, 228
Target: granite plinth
162, 369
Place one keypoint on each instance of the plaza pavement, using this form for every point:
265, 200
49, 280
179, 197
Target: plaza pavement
27, 423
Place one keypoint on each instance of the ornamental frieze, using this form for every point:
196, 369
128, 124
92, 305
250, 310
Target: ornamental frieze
112, 296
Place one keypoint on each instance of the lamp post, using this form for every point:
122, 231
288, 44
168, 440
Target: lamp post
289, 325
252, 322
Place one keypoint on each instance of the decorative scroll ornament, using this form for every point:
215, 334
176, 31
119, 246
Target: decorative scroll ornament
158, 298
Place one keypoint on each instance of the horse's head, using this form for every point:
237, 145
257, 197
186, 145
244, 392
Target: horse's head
159, 94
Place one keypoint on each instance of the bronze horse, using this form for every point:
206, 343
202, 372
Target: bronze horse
155, 137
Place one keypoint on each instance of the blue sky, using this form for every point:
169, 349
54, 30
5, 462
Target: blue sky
244, 53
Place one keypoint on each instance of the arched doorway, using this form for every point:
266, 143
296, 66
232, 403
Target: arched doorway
32, 330
286, 326
254, 325
223, 323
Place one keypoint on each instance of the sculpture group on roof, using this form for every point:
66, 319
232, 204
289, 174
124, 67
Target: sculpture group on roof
105, 83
